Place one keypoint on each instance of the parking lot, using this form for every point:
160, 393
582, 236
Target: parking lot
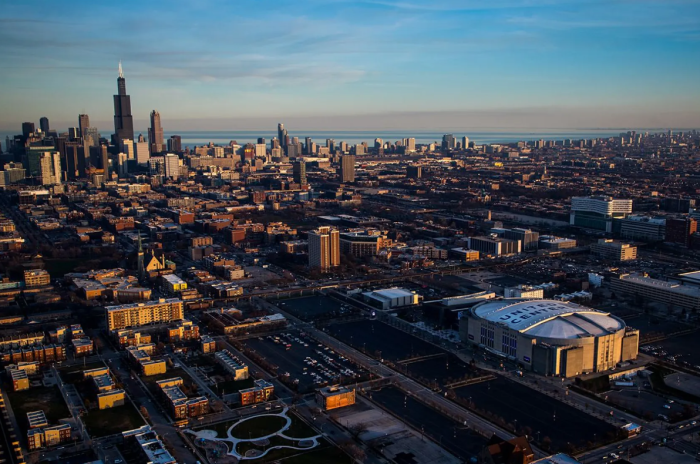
683, 350
412, 356
535, 413
305, 360
315, 307
643, 403
453, 436
381, 340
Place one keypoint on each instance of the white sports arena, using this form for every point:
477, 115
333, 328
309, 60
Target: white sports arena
548, 336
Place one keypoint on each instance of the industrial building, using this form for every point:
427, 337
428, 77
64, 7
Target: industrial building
550, 337
391, 298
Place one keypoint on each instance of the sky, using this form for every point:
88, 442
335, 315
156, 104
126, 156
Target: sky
354, 65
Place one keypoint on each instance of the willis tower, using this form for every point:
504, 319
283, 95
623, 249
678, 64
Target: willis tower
123, 121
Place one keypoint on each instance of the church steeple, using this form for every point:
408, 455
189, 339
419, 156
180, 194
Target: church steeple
139, 258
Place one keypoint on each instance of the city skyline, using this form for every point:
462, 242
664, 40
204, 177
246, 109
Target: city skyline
360, 65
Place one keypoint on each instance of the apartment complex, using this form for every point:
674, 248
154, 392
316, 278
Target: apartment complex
36, 278
183, 330
360, 244
208, 344
324, 248
260, 392
237, 368
139, 314
40, 435
181, 406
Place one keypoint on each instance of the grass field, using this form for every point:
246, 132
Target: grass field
47, 399
258, 427
101, 423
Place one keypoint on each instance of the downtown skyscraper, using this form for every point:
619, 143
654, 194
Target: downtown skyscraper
123, 121
156, 140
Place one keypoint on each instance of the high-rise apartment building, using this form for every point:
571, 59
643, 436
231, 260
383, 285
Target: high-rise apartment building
139, 314
127, 147
123, 121
105, 161
410, 145
299, 172
175, 143
465, 143
142, 153
155, 134
282, 135
172, 165
414, 172
91, 137
44, 166
324, 248
449, 142
44, 124
347, 168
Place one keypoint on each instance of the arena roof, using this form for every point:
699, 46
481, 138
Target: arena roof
548, 318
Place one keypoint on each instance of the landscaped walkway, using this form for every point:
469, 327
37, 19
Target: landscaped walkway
211, 435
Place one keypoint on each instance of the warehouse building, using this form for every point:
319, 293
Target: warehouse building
391, 298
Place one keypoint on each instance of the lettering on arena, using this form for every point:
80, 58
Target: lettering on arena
529, 311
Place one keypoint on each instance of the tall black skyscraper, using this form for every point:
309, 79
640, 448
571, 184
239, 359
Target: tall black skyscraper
123, 122
27, 128
44, 124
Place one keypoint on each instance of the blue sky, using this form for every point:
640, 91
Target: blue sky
333, 64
